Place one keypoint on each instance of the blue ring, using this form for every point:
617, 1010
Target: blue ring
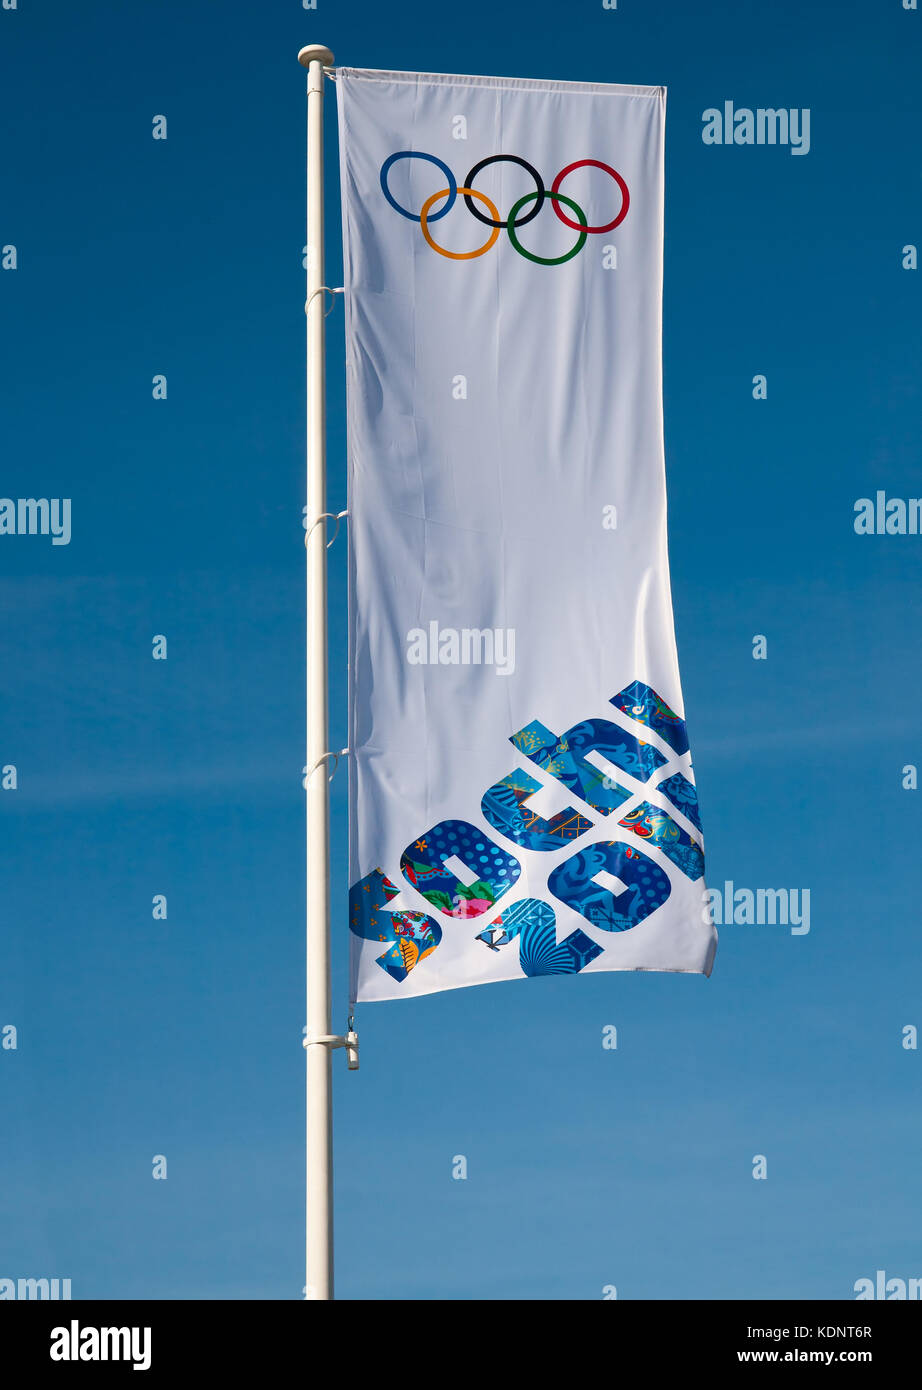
416, 154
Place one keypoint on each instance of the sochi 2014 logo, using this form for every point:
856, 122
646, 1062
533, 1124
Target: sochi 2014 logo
408, 937
513, 222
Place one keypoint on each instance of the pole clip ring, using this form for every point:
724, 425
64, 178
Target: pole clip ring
332, 1040
325, 289
309, 771
326, 516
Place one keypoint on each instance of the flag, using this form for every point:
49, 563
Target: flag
522, 800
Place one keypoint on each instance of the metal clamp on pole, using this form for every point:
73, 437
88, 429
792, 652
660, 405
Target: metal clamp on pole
309, 771
325, 289
331, 1040
326, 516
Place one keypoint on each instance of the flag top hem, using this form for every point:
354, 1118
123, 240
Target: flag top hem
518, 84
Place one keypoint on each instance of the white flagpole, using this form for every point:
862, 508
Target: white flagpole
319, 1165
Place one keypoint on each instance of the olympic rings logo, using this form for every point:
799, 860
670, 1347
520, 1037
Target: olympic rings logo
425, 217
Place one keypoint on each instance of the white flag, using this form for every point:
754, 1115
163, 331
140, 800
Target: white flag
522, 800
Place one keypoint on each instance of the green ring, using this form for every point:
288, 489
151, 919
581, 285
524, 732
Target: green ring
547, 260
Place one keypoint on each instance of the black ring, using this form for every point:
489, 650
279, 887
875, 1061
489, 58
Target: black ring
509, 159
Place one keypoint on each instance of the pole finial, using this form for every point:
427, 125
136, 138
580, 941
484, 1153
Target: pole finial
315, 53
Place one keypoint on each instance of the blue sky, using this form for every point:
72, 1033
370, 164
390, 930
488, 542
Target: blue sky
586, 1167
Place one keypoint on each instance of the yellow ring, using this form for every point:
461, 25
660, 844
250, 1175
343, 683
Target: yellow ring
459, 255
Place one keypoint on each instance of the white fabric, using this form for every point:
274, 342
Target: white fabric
498, 410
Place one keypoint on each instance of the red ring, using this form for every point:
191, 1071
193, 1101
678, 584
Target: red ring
593, 164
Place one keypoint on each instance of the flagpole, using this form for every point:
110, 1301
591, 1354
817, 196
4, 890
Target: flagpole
319, 1136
